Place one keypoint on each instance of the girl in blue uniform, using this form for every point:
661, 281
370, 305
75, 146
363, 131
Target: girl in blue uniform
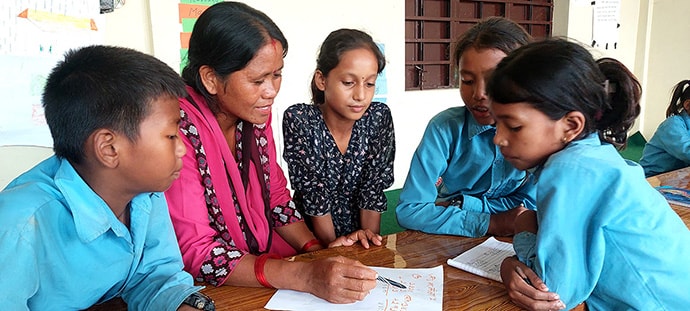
669, 148
602, 234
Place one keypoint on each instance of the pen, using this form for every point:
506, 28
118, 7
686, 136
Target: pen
522, 275
390, 282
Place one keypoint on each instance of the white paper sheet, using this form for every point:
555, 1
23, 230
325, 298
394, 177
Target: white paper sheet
424, 292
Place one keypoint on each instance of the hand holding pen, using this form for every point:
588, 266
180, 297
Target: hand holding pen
335, 279
526, 289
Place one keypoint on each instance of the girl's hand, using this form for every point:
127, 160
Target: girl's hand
363, 236
339, 279
526, 221
503, 224
526, 289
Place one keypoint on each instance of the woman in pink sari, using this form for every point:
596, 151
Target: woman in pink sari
233, 215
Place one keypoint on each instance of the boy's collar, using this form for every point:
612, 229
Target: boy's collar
473, 127
91, 215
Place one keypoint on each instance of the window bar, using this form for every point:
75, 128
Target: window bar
530, 17
420, 68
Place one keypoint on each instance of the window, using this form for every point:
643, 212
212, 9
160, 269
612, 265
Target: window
432, 25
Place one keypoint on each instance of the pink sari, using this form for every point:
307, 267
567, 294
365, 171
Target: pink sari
218, 215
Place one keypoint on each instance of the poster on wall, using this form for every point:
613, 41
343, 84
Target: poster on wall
189, 11
605, 17
32, 40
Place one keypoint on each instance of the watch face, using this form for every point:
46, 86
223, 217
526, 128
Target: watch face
200, 301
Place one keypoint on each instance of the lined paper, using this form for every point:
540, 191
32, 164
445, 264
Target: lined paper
484, 259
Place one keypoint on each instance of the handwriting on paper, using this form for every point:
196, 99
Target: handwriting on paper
424, 292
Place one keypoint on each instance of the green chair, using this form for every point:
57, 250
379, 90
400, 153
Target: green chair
633, 150
389, 222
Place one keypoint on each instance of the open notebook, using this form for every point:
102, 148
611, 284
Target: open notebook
484, 259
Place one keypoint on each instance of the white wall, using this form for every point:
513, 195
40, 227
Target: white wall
305, 29
668, 57
652, 43
578, 26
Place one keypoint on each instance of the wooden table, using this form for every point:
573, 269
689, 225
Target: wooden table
413, 249
679, 178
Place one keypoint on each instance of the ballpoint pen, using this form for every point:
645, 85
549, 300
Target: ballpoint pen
390, 282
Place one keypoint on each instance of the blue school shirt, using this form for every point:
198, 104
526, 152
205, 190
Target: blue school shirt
606, 236
62, 248
669, 148
460, 151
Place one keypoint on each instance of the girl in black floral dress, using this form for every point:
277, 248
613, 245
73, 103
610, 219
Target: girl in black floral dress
340, 150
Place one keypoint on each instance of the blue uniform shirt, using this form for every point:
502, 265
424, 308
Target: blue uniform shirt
669, 148
460, 151
62, 248
606, 236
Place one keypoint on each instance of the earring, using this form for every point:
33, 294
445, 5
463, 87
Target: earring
564, 140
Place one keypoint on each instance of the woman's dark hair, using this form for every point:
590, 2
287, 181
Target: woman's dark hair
492, 33
226, 37
107, 87
332, 49
681, 93
556, 77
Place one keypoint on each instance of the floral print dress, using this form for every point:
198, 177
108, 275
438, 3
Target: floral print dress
329, 182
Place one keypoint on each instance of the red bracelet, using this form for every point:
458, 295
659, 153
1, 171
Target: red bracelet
259, 268
309, 244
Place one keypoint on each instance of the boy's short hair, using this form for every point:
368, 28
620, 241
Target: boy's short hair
103, 87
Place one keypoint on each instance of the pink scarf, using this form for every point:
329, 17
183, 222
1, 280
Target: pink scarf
251, 200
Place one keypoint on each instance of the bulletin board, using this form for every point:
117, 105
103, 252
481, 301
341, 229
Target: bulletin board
34, 35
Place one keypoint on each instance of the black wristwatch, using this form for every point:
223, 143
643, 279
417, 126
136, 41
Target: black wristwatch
457, 201
200, 301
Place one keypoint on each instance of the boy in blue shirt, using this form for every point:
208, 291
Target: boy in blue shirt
89, 223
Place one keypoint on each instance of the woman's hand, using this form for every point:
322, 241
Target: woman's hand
526, 289
339, 279
364, 236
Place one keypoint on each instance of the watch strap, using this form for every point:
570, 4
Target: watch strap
200, 301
